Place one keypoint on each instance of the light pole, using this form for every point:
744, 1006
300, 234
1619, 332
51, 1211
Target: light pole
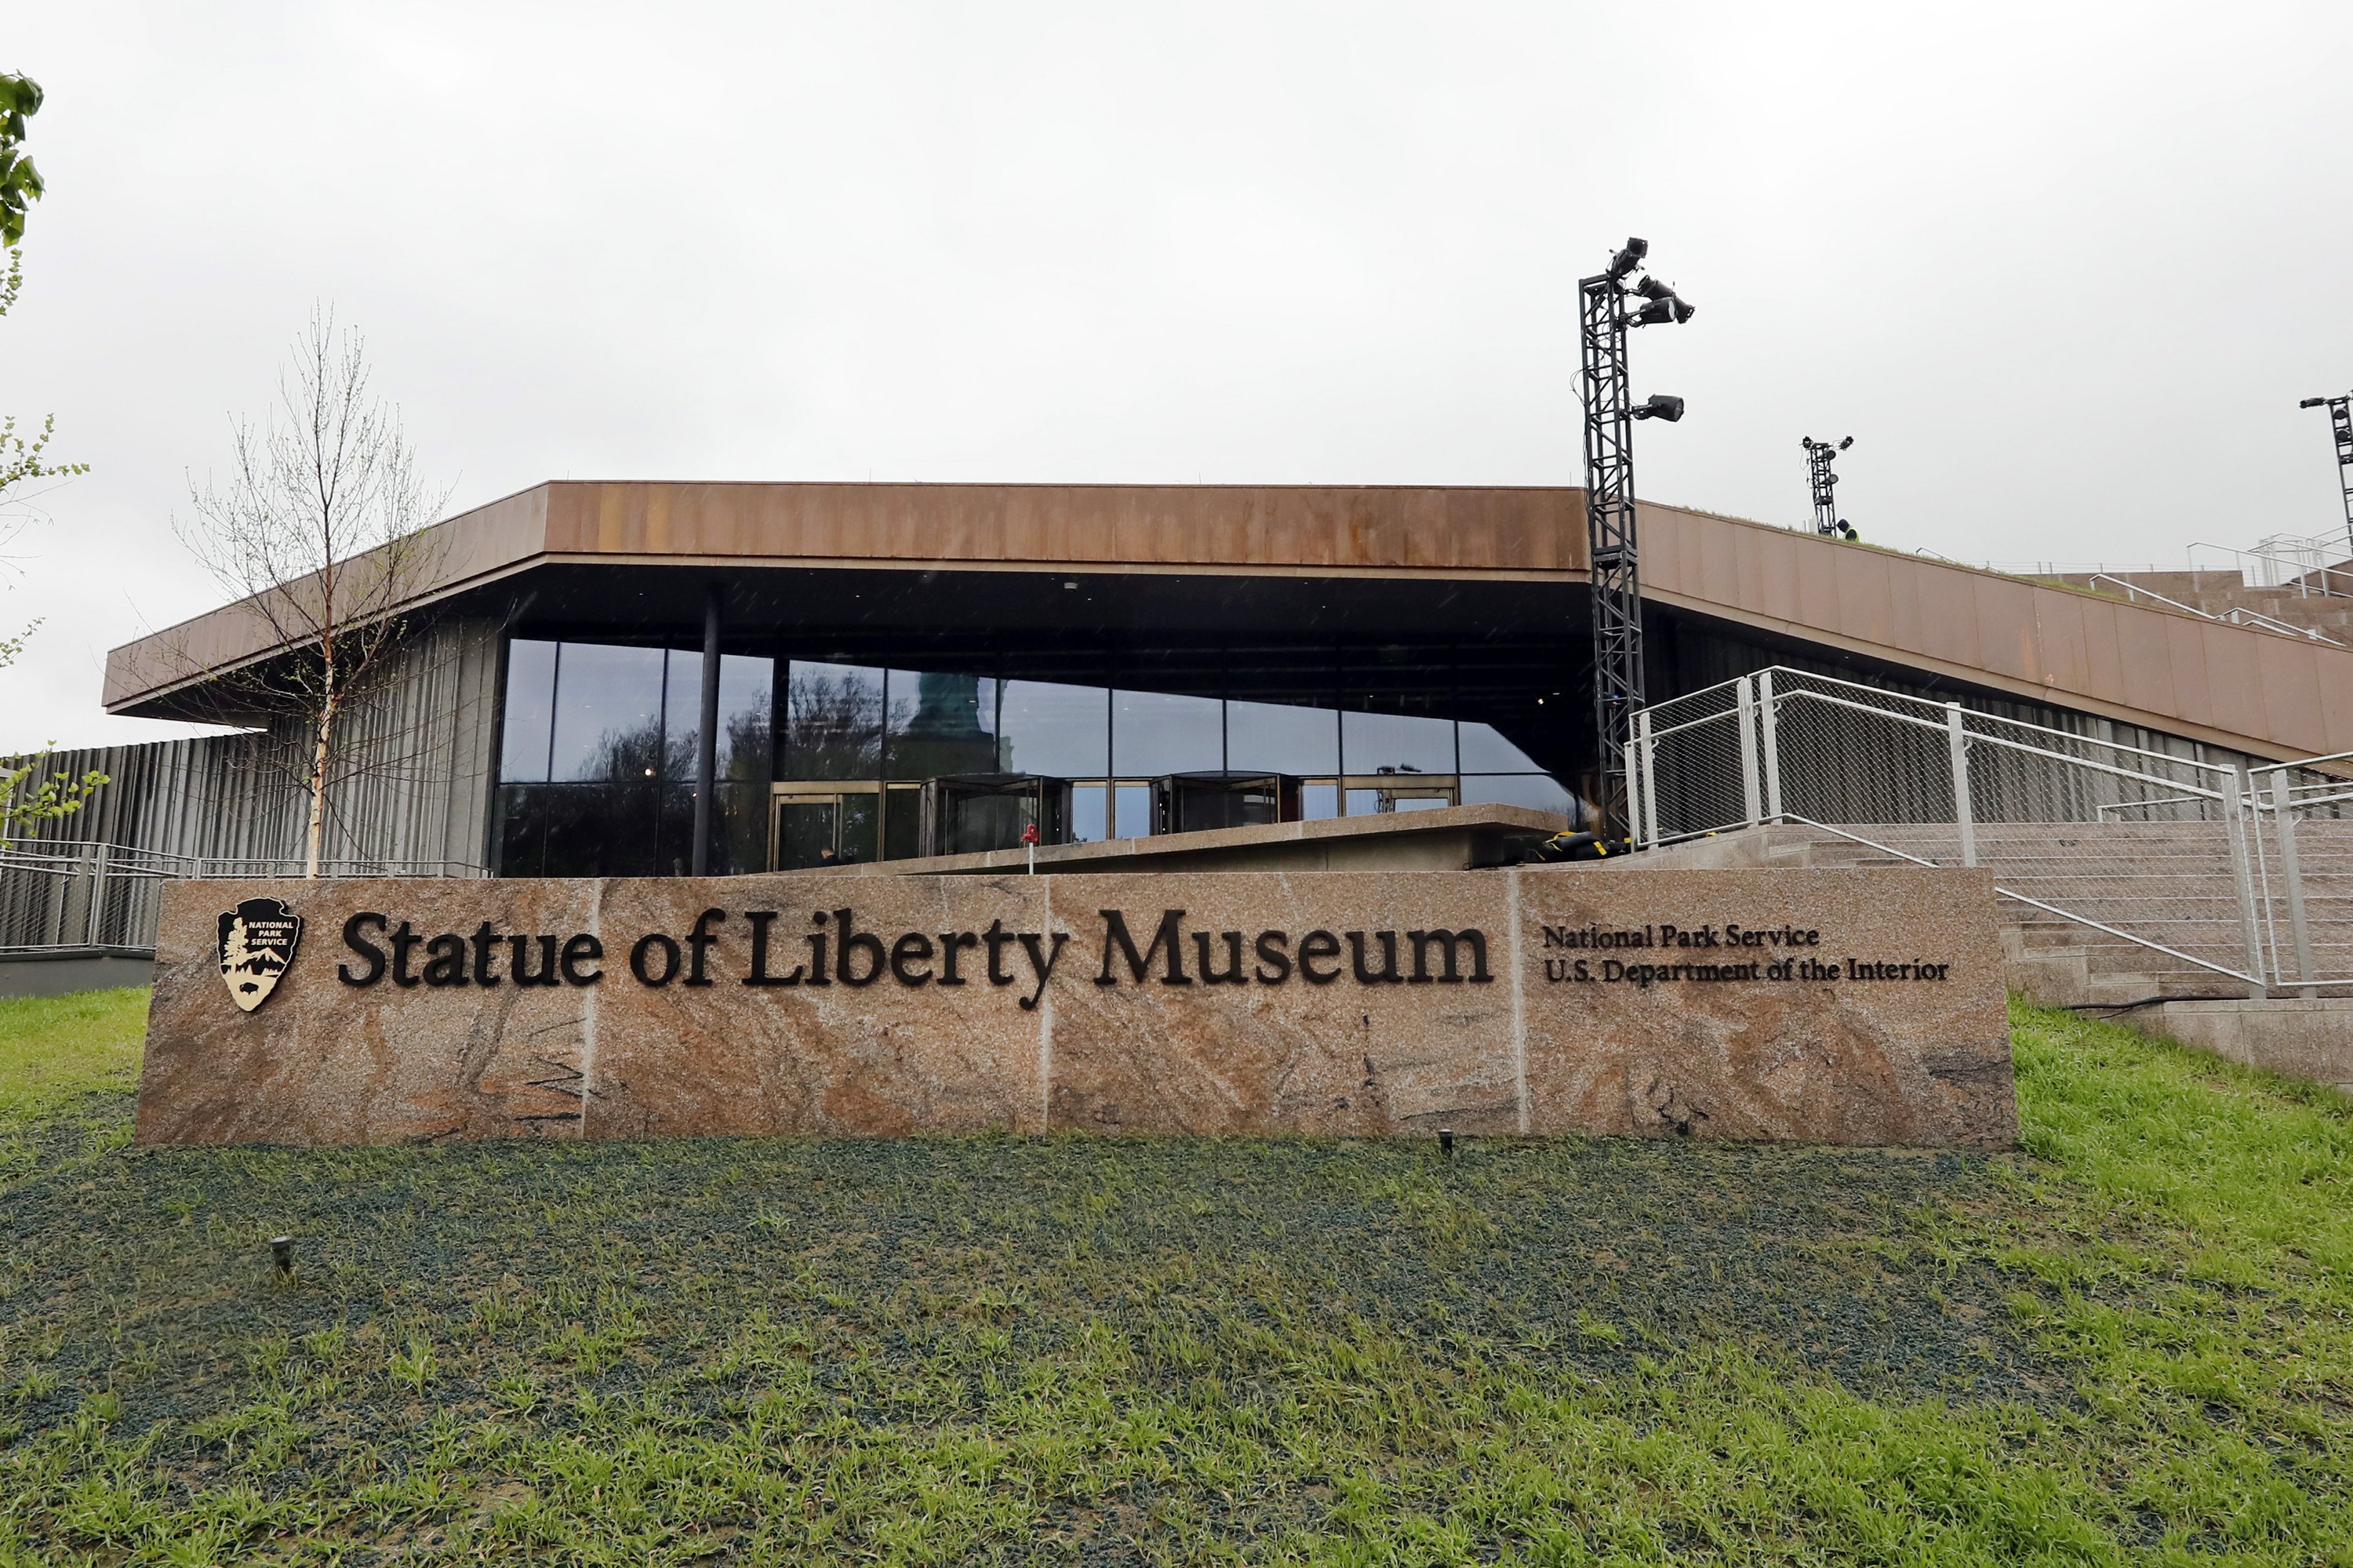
1611, 305
2340, 421
1818, 456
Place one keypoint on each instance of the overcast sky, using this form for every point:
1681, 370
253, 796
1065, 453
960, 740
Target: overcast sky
2061, 270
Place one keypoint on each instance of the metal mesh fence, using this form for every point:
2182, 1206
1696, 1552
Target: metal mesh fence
2303, 847
72, 893
2106, 842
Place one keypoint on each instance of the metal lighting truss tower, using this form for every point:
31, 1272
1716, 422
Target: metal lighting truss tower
1819, 458
1611, 305
2340, 420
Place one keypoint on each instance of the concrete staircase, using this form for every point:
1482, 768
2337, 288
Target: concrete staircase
2168, 882
2218, 593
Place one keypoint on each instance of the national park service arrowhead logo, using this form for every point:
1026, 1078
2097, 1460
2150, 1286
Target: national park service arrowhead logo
257, 940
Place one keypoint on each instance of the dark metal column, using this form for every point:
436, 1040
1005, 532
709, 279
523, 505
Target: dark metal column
706, 744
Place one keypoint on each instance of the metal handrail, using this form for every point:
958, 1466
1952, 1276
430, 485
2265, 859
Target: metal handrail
2302, 574
2136, 592
1934, 718
2238, 615
2271, 950
43, 855
2020, 746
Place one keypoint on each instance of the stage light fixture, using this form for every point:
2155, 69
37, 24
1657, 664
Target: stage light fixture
1819, 455
1661, 405
1627, 260
2340, 428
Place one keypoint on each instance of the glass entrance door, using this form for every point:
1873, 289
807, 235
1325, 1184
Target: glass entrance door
826, 823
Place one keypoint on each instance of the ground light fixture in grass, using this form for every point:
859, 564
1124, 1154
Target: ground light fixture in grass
2129, 1341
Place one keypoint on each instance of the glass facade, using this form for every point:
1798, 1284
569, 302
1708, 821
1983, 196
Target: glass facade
597, 764
599, 742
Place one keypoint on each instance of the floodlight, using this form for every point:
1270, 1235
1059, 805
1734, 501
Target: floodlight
2341, 430
1649, 288
1846, 443
1661, 405
1628, 258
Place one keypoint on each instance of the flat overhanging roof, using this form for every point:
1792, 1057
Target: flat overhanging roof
2238, 687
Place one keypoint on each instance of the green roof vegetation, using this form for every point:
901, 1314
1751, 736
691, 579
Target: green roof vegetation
2131, 1341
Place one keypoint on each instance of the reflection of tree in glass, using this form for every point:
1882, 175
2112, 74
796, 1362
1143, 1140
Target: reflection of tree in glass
632, 754
642, 753
834, 725
746, 755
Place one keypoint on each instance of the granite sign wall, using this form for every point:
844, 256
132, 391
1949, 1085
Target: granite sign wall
1858, 1006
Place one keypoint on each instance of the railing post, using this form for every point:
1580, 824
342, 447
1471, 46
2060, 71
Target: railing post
2284, 812
1769, 720
1956, 739
93, 926
1752, 805
1647, 759
1751, 790
2234, 818
1637, 785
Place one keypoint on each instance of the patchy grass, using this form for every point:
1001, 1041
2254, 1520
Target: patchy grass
54, 1049
2131, 1341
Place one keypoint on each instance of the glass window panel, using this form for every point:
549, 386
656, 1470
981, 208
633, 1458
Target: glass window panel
1536, 790
1317, 802
1484, 750
1371, 742
1277, 737
1133, 803
597, 829
941, 725
1088, 814
681, 712
608, 711
741, 840
1155, 732
833, 723
744, 696
1061, 732
674, 831
746, 687
522, 829
530, 710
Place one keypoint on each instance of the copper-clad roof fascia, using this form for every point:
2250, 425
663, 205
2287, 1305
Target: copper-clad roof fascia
2231, 686
2141, 664
468, 551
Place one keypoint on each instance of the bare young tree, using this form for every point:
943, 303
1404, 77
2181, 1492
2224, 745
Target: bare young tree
320, 532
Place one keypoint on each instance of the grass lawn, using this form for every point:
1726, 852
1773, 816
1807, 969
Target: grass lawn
2131, 1341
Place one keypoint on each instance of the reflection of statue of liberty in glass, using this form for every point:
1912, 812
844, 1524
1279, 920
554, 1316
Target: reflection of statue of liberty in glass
947, 734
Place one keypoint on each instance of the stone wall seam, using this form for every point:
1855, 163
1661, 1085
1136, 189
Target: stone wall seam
1519, 1003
